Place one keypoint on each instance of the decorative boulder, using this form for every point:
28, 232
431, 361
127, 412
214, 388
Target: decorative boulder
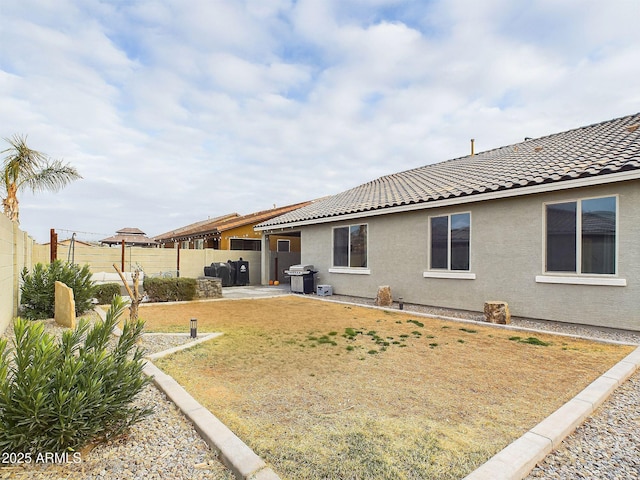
497, 312
64, 306
384, 298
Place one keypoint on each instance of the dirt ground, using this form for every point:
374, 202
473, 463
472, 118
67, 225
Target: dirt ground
326, 390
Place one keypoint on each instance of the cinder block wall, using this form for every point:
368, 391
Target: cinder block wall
16, 249
152, 260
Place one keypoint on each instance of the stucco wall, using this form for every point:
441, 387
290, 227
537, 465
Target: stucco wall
507, 242
152, 260
245, 231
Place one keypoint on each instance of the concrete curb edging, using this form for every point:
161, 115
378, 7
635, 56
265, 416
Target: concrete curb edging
164, 353
516, 460
233, 452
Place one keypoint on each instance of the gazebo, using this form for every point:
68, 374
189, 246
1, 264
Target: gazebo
133, 237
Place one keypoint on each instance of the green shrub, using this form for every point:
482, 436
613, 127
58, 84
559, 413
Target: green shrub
169, 289
105, 292
37, 299
60, 395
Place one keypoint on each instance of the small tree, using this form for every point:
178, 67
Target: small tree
23, 167
134, 295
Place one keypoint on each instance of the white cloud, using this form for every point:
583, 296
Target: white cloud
177, 111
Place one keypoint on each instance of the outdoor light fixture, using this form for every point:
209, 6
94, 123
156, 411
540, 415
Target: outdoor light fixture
400, 303
194, 327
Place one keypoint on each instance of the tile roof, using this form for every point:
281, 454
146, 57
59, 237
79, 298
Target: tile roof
595, 150
192, 226
131, 236
228, 222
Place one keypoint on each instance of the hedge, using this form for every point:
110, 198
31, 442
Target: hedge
105, 292
169, 289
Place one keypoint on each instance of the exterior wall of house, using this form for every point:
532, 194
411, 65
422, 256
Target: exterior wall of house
245, 231
294, 242
506, 255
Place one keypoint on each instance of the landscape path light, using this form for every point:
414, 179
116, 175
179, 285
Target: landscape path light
194, 327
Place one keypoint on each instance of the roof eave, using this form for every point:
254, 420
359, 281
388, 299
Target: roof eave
464, 199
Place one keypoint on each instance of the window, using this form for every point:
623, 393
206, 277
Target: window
283, 245
450, 241
246, 244
581, 236
184, 244
350, 246
199, 244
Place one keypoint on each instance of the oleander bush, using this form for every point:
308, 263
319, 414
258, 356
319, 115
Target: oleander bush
169, 289
37, 300
58, 395
105, 292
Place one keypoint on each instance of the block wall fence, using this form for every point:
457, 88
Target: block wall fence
18, 250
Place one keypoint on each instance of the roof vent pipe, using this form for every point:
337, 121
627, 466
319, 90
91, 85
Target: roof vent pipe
472, 149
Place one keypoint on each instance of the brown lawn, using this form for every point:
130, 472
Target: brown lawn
327, 390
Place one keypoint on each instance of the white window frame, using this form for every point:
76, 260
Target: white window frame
347, 269
283, 240
198, 244
577, 277
448, 273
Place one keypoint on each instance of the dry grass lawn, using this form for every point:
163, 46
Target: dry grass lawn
327, 390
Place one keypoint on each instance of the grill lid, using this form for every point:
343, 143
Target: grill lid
299, 269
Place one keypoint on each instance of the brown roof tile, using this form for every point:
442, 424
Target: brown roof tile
192, 226
229, 222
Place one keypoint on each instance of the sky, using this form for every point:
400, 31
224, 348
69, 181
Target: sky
176, 111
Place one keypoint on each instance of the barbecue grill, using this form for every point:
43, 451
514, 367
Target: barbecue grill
301, 278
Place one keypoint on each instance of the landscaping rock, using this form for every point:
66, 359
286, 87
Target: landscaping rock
384, 298
209, 287
497, 312
65, 306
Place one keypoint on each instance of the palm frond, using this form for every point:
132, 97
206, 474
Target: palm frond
20, 159
24, 166
52, 177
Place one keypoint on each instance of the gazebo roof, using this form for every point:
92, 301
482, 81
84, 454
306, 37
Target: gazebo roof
131, 236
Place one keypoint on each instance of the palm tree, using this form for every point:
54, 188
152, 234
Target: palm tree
24, 167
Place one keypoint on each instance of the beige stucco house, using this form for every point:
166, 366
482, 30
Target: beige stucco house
550, 225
